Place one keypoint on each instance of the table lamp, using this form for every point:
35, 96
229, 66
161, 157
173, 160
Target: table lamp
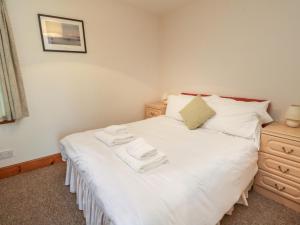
293, 116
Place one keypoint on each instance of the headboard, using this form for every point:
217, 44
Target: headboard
234, 98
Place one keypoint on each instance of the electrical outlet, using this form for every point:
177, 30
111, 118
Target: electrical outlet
6, 154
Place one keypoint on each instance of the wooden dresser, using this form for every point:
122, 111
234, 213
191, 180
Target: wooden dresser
155, 109
278, 177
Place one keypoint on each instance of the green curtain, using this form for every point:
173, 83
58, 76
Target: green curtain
13, 96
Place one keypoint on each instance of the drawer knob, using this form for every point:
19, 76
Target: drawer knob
291, 151
283, 170
287, 151
279, 188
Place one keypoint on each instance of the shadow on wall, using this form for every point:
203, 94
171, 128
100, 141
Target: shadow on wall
64, 98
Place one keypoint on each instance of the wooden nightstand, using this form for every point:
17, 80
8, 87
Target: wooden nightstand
155, 109
278, 177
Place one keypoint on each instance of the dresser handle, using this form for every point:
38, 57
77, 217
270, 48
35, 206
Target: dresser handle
286, 151
279, 188
282, 170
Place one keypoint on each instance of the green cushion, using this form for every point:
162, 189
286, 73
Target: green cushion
196, 113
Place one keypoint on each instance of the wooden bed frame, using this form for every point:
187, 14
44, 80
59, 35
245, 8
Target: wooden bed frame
234, 98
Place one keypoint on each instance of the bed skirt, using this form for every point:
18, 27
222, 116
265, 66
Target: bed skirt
93, 211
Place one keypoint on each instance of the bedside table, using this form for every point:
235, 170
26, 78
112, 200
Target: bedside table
155, 109
278, 177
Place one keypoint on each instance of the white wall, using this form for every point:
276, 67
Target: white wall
246, 48
69, 92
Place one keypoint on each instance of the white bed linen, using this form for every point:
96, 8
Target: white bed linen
206, 174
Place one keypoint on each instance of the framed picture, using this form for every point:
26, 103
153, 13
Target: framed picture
61, 34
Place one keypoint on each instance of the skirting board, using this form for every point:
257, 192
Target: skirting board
269, 194
29, 165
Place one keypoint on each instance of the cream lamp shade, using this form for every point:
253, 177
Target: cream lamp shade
293, 116
164, 98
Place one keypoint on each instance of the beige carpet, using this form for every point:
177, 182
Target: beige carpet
40, 198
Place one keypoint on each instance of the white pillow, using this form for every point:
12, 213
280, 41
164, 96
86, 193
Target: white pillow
212, 100
225, 106
175, 104
246, 125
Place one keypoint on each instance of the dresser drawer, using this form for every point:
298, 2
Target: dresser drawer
278, 185
281, 147
150, 112
279, 166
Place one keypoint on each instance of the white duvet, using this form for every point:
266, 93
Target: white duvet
206, 174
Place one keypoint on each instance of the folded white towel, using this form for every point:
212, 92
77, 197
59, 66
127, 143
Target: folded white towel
141, 165
140, 149
112, 140
116, 129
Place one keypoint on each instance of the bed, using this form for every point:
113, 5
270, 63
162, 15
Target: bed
207, 173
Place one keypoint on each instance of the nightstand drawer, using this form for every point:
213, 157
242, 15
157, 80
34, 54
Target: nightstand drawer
279, 166
150, 112
281, 147
280, 186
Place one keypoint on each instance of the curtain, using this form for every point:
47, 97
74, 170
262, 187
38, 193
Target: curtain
12, 95
2, 111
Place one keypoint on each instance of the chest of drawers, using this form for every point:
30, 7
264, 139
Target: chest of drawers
279, 165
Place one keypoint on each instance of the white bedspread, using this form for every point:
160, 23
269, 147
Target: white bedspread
205, 176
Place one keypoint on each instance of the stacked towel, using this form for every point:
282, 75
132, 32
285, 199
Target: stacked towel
141, 165
116, 129
137, 154
140, 149
117, 139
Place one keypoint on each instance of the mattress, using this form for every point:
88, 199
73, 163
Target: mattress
206, 174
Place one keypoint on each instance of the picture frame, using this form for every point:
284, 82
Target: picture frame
60, 34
